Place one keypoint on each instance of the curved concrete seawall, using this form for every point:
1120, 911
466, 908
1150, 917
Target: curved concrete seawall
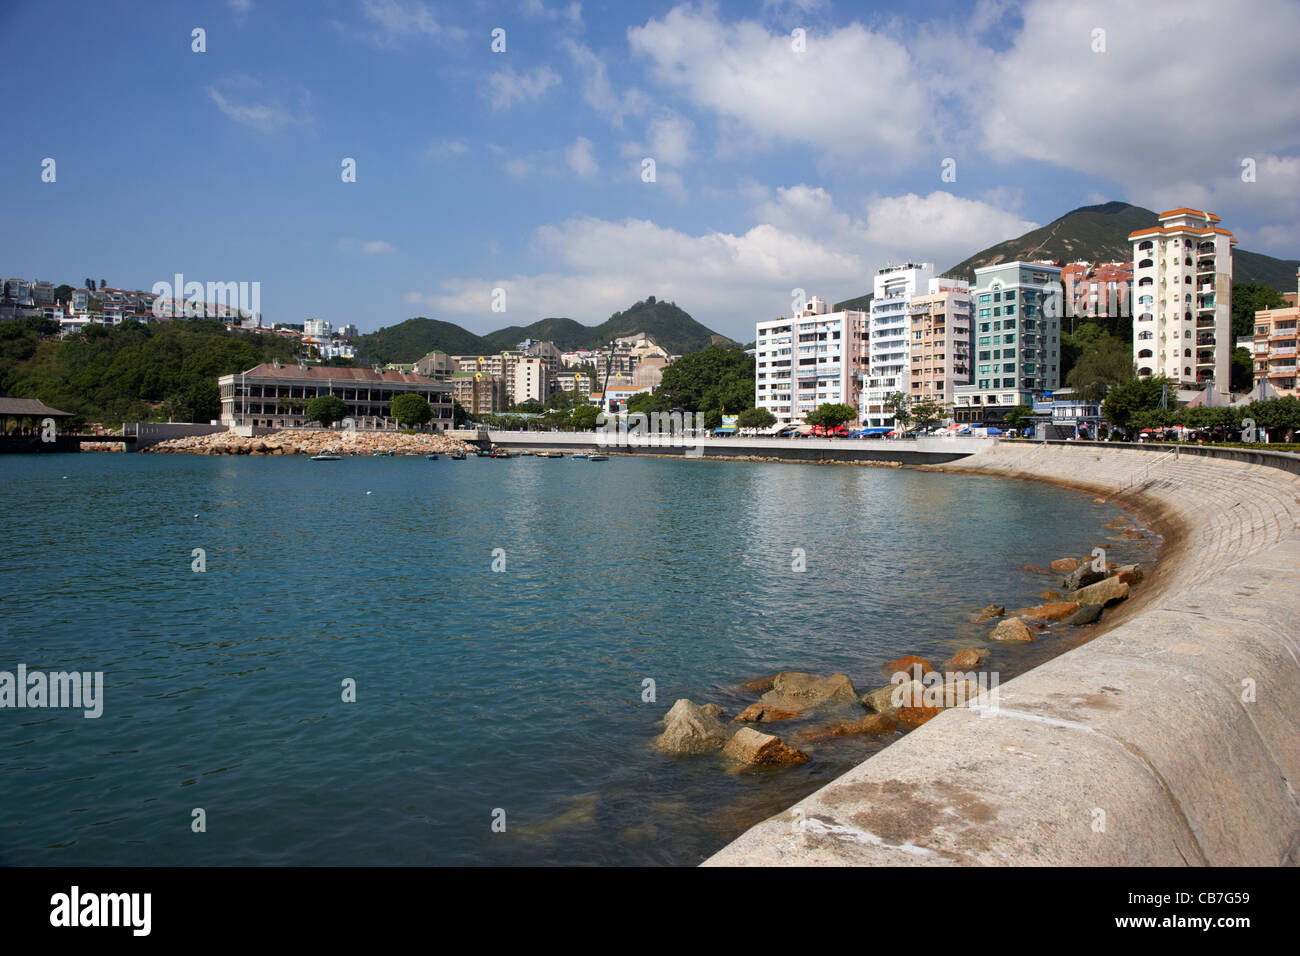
1172, 739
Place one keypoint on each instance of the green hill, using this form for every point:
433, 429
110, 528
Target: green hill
1100, 233
1095, 233
565, 333
664, 322
409, 340
860, 304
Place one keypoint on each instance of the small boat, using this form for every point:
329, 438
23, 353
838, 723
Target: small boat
382, 454
524, 454
433, 457
458, 456
598, 458
500, 453
580, 456
482, 454
325, 457
550, 454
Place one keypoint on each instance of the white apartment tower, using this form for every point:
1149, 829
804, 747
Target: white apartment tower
889, 362
1182, 299
814, 358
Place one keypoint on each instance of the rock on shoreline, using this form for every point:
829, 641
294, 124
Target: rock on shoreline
311, 441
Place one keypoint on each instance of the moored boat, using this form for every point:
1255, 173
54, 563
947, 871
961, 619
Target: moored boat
325, 457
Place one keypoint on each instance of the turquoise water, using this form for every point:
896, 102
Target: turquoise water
476, 690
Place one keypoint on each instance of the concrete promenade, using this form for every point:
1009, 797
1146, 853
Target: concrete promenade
1172, 739
919, 451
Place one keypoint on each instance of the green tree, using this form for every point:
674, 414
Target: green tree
326, 409
1104, 360
458, 415
583, 418
173, 407
411, 410
900, 405
1242, 370
926, 412
1247, 299
1137, 395
756, 418
562, 401
830, 415
204, 400
648, 402
718, 378
529, 407
1017, 416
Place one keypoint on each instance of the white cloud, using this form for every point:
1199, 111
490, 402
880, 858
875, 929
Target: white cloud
444, 148
855, 94
519, 167
580, 158
396, 20
597, 90
570, 13
507, 87
241, 6
376, 247
668, 138
246, 101
1175, 99
730, 280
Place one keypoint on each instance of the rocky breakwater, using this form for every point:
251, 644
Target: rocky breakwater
1089, 586
318, 441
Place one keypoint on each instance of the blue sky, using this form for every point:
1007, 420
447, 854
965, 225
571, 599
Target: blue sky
776, 168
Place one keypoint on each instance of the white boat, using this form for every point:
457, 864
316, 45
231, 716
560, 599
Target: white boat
325, 457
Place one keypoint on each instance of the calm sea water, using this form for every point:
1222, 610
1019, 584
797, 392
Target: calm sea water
476, 690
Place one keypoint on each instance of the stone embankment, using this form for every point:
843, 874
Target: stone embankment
318, 441
1172, 739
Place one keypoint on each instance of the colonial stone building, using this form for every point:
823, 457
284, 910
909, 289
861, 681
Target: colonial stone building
276, 396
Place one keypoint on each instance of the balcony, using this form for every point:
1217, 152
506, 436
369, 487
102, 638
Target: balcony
1274, 370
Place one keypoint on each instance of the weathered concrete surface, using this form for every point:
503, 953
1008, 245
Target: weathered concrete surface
919, 451
1173, 739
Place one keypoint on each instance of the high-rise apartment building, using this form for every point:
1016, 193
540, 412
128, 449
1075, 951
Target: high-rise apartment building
940, 340
888, 368
815, 357
1182, 299
1275, 342
1017, 331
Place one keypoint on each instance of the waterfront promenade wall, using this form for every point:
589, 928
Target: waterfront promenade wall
1172, 739
906, 451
